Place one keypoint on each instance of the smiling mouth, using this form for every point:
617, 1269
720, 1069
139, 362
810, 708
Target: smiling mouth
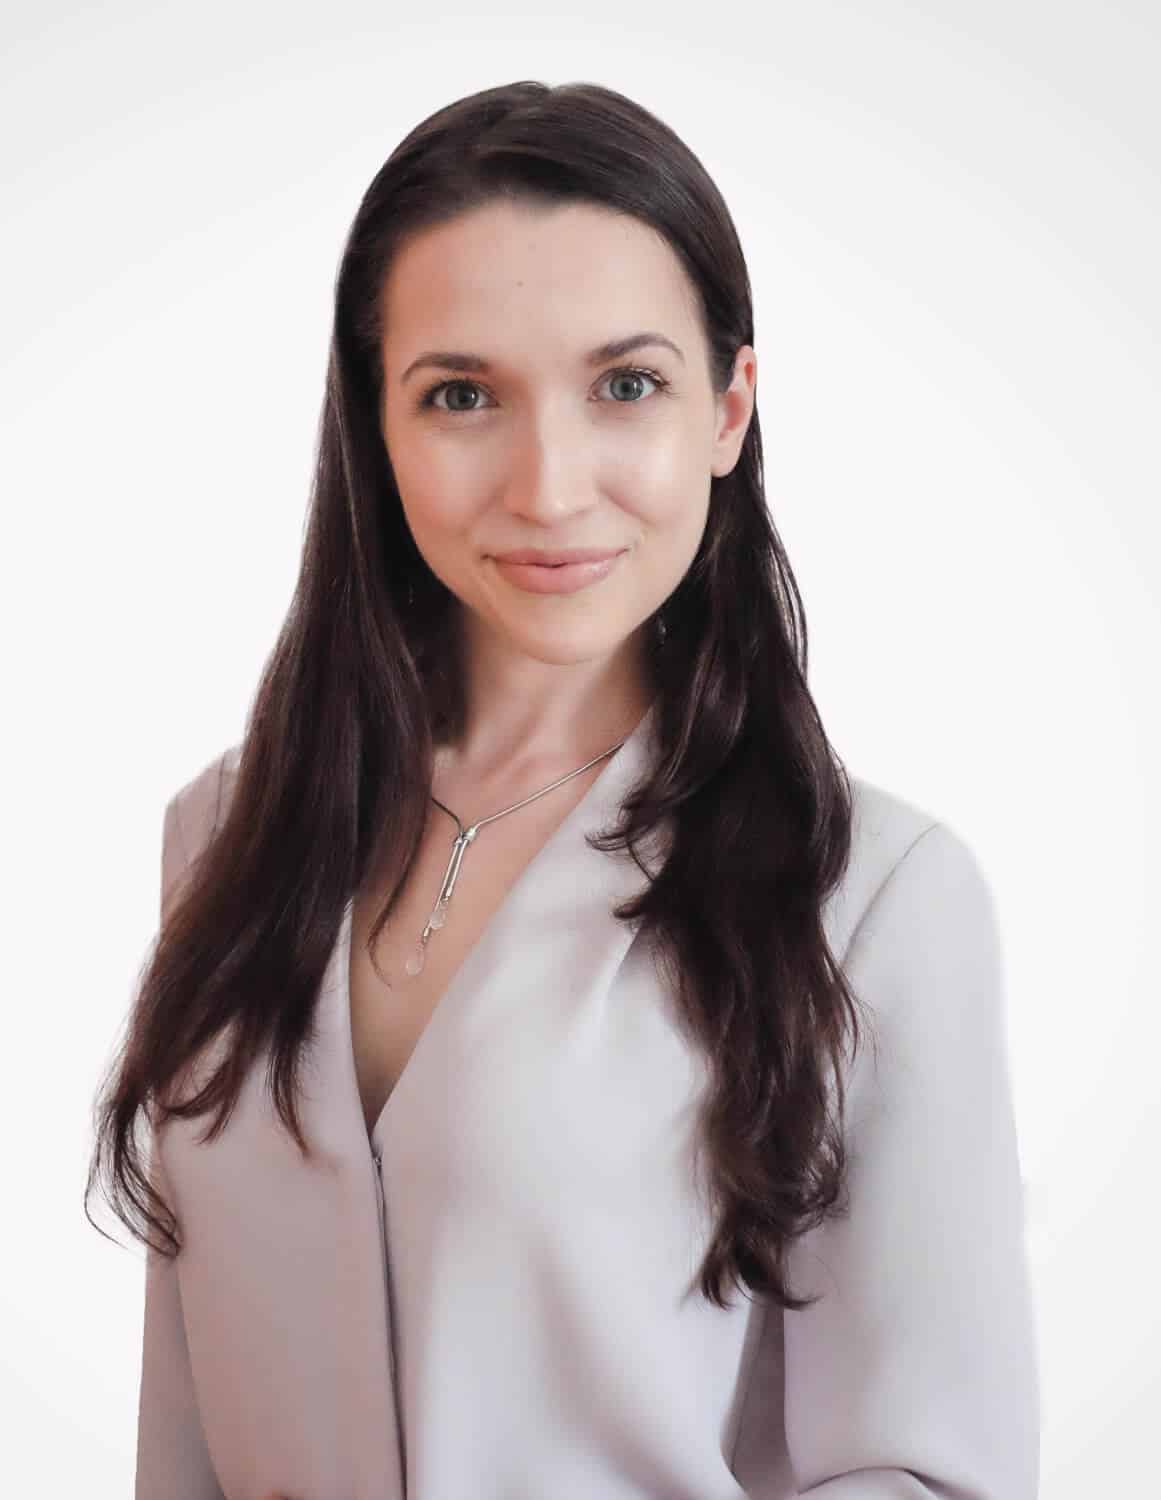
548, 558
556, 578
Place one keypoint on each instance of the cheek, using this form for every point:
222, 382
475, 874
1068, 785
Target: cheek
663, 467
420, 477
668, 490
674, 529
435, 504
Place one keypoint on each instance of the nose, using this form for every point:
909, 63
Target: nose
549, 476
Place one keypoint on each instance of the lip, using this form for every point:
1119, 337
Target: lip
561, 578
552, 559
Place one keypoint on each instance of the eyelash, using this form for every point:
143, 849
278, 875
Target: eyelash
427, 400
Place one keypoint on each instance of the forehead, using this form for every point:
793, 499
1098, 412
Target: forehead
574, 274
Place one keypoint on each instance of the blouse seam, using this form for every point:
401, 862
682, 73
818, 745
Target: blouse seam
881, 887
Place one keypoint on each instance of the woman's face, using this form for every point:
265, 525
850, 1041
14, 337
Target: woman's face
506, 430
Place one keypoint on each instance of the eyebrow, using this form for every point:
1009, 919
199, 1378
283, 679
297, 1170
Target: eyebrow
445, 359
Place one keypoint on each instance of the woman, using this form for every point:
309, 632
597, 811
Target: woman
509, 1159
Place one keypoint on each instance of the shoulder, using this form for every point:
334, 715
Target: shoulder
198, 805
902, 851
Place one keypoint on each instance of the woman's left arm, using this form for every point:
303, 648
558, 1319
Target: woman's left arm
916, 1375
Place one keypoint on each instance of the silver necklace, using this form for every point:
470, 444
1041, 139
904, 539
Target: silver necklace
414, 964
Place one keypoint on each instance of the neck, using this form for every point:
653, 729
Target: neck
523, 717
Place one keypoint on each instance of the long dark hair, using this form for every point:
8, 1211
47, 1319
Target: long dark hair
336, 761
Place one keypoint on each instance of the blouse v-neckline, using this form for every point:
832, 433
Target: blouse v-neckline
598, 802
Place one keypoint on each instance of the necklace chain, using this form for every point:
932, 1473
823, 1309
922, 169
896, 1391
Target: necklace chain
414, 964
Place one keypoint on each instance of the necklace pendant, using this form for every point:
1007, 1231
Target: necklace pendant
414, 964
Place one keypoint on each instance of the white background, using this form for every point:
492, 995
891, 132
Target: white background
951, 214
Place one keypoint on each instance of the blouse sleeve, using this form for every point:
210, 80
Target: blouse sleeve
915, 1377
173, 1462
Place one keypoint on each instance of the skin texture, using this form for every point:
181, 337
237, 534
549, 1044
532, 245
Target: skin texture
546, 450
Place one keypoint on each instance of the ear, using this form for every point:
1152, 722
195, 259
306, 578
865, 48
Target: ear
735, 407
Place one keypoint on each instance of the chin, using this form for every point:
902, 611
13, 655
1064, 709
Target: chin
568, 648
568, 654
